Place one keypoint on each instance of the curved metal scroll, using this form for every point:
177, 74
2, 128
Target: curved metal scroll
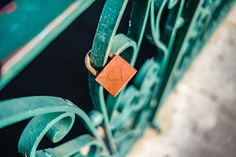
52, 117
172, 26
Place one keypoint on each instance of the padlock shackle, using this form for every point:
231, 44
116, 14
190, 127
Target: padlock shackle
89, 66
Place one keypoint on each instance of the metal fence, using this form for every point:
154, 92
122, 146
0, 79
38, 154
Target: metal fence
177, 28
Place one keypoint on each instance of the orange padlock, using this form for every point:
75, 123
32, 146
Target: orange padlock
114, 76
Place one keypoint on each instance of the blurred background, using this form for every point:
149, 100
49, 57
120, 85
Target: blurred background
198, 119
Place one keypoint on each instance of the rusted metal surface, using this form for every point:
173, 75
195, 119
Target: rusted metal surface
115, 75
177, 29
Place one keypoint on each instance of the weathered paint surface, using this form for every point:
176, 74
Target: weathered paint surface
178, 29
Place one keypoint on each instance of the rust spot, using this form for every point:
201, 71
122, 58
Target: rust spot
9, 8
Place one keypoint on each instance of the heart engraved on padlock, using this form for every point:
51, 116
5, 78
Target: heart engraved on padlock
115, 75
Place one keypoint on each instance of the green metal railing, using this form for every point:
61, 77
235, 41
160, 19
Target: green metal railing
178, 28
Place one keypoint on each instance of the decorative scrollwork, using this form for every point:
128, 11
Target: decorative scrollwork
173, 26
54, 118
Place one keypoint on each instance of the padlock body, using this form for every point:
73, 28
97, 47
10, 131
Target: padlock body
115, 75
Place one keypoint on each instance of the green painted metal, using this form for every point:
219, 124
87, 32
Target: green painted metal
178, 28
15, 37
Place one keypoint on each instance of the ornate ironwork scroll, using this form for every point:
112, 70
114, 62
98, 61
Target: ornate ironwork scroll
178, 29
